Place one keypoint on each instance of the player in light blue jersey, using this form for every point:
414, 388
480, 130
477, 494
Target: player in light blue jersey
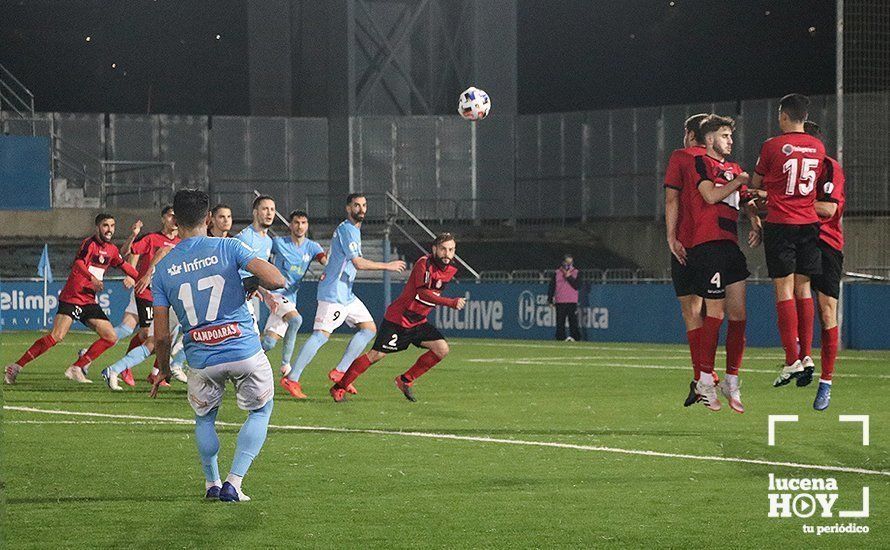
291, 255
256, 237
336, 302
199, 279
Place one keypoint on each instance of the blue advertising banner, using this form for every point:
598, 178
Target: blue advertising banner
24, 173
607, 313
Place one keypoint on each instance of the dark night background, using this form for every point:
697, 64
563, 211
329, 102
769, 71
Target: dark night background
573, 54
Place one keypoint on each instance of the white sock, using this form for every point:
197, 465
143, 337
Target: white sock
823, 381
732, 379
155, 372
235, 481
209, 484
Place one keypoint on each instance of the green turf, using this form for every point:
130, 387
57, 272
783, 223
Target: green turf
139, 485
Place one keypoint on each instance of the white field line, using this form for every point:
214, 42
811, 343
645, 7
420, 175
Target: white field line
658, 353
475, 439
605, 362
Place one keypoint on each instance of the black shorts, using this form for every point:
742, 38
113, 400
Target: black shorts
683, 278
791, 249
392, 337
145, 311
829, 281
81, 313
715, 266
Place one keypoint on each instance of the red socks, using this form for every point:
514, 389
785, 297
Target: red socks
829, 352
707, 343
692, 337
787, 312
97, 349
805, 317
355, 370
135, 342
37, 349
424, 363
735, 346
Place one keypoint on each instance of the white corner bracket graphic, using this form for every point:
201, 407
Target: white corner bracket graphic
863, 513
858, 418
773, 418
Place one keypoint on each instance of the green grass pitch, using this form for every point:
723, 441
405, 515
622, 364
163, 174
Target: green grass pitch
350, 480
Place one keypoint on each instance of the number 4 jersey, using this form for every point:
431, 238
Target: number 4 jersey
790, 165
199, 279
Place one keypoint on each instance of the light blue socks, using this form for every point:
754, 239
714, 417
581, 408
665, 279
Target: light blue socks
268, 342
307, 352
130, 360
290, 338
208, 444
355, 348
251, 439
122, 331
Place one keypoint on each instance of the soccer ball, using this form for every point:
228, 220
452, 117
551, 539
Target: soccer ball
474, 104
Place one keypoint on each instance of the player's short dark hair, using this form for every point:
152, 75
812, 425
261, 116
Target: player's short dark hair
297, 214
796, 106
102, 216
352, 196
814, 130
693, 124
166, 209
714, 122
191, 207
219, 207
259, 199
443, 238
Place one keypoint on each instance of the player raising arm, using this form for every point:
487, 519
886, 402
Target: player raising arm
405, 322
78, 302
788, 168
200, 280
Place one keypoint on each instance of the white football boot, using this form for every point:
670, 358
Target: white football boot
76, 373
730, 387
178, 373
12, 370
706, 389
789, 372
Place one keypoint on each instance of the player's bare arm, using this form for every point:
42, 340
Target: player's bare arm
134, 232
714, 194
364, 264
145, 281
671, 215
162, 346
756, 181
268, 274
755, 235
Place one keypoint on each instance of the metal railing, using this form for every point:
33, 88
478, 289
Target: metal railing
16, 96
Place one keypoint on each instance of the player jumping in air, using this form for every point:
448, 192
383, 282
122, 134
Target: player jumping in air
718, 267
292, 256
78, 302
830, 208
788, 168
142, 252
200, 280
336, 302
405, 322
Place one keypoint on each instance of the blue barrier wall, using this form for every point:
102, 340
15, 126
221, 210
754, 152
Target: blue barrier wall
24, 173
608, 313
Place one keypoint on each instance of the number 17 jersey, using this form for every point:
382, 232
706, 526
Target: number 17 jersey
199, 279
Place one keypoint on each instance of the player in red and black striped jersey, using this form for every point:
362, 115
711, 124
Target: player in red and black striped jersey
718, 265
406, 320
78, 302
830, 209
788, 168
679, 183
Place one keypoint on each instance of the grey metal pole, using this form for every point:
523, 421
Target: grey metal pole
839, 78
387, 275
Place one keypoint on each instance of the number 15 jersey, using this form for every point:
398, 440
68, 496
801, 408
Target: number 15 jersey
199, 279
790, 165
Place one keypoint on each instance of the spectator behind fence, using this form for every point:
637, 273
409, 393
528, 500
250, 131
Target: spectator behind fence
563, 293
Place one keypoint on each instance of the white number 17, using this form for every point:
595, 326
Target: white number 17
215, 283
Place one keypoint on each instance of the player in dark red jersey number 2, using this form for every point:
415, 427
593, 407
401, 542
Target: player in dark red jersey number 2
78, 302
788, 169
405, 321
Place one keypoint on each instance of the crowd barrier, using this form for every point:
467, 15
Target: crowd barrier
607, 313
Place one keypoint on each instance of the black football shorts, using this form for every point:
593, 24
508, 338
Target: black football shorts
716, 265
829, 281
145, 311
392, 338
792, 249
683, 278
82, 313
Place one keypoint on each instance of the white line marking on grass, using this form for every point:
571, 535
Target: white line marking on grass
599, 362
475, 439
